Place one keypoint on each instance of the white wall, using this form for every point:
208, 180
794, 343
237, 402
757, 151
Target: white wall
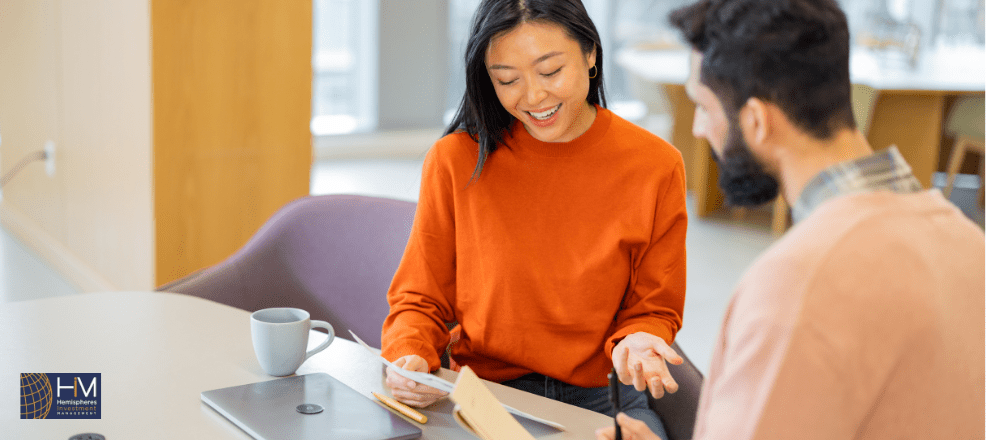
78, 73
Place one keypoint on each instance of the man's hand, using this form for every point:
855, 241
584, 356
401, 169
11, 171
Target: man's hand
639, 361
406, 390
632, 429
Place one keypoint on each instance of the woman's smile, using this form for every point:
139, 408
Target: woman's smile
544, 118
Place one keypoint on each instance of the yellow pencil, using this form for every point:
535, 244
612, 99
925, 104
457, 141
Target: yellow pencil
402, 408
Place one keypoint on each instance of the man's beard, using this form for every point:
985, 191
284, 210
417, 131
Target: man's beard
743, 179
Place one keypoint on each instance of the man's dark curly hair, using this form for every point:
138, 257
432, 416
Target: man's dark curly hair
792, 53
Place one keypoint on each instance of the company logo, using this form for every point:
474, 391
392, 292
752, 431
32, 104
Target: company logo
60, 395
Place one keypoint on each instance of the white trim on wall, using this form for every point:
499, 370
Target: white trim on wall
52, 252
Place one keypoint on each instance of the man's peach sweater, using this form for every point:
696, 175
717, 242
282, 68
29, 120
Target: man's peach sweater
865, 321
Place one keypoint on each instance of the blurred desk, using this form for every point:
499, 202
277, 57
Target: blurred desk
157, 352
909, 112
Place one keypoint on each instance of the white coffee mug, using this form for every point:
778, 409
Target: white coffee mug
280, 338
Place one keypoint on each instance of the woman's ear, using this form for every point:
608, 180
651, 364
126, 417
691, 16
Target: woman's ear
592, 57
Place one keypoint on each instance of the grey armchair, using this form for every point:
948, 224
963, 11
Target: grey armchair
677, 410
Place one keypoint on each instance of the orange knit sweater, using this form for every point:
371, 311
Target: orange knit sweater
556, 253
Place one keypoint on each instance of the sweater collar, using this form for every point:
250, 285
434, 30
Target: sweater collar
519, 138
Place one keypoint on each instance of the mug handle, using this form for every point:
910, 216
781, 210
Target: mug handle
327, 342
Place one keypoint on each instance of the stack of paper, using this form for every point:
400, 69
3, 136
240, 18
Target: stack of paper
473, 387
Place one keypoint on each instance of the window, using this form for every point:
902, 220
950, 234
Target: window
344, 78
346, 35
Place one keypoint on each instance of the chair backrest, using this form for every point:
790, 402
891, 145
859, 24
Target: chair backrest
333, 256
863, 99
967, 117
678, 410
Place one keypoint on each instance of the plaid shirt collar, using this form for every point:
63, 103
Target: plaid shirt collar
885, 170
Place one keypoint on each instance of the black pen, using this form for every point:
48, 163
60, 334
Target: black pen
616, 405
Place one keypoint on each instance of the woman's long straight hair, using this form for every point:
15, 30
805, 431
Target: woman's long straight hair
480, 113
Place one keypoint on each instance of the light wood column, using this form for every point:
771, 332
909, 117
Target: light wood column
911, 120
682, 110
232, 84
702, 172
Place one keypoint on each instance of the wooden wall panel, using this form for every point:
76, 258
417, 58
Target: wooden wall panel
231, 110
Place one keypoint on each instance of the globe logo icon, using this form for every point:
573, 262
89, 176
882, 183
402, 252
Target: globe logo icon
36, 396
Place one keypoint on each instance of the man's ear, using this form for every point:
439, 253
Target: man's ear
756, 121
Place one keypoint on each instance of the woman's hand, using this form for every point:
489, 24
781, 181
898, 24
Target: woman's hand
406, 390
639, 361
632, 429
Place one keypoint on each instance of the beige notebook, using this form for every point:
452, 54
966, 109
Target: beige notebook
478, 410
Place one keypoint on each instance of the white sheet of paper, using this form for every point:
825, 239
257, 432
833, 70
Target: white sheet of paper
422, 378
443, 385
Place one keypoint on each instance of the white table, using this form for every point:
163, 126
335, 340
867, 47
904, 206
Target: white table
955, 69
909, 111
157, 352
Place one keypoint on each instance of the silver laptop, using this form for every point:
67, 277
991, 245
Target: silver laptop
314, 406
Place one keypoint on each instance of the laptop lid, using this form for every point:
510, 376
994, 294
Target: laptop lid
286, 409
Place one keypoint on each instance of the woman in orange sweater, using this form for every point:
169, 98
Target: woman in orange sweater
551, 230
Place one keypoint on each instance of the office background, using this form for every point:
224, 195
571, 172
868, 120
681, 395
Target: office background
180, 127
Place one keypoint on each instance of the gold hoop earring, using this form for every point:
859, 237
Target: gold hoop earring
595, 72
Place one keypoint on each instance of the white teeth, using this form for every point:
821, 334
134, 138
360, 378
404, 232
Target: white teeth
545, 115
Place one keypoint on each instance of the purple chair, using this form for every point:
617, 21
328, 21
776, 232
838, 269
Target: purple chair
332, 255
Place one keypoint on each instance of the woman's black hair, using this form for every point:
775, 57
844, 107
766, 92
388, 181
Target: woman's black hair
480, 113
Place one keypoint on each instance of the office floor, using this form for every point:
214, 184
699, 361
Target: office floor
719, 249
